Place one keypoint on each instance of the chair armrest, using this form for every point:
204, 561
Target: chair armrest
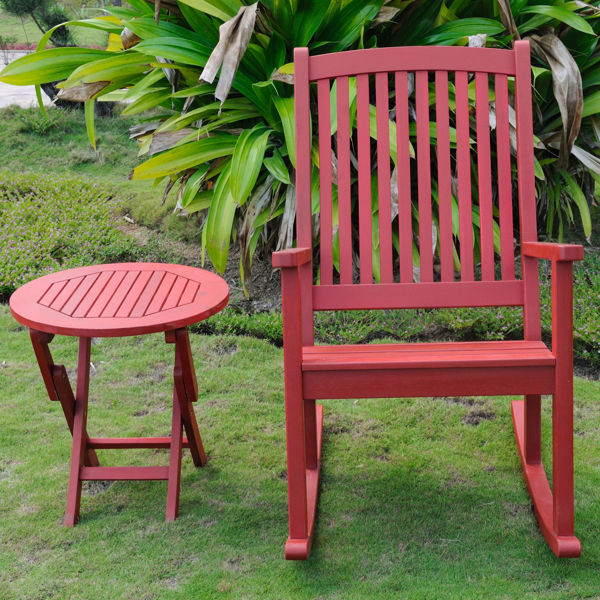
552, 251
294, 257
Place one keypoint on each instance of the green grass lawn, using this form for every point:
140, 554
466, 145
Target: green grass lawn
420, 498
25, 31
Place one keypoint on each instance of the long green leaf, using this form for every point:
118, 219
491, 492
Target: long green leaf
108, 24
219, 221
182, 51
121, 65
561, 14
276, 166
448, 33
192, 185
186, 156
247, 161
222, 9
285, 108
49, 65
577, 195
89, 121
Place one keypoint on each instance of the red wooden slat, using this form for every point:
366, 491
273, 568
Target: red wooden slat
424, 170
191, 289
123, 473
50, 294
484, 173
80, 295
383, 178
444, 177
525, 168
344, 200
106, 295
406, 356
99, 284
365, 226
507, 249
162, 294
410, 383
326, 229
175, 293
463, 168
66, 293
146, 296
404, 196
118, 294
418, 295
134, 294
412, 58
139, 442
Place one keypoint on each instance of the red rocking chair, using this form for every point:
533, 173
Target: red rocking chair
383, 277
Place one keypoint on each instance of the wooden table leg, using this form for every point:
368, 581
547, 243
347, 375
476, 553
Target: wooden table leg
185, 391
57, 383
79, 432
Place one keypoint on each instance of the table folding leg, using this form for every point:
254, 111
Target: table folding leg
84, 462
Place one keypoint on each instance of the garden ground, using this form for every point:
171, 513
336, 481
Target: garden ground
420, 498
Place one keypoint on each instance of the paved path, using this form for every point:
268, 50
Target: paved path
21, 95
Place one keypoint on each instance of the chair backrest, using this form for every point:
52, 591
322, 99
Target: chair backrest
449, 196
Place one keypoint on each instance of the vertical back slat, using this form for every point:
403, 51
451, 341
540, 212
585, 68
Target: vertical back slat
363, 136
525, 168
303, 181
463, 168
507, 250
383, 175
403, 166
444, 177
424, 176
486, 230
344, 200
326, 244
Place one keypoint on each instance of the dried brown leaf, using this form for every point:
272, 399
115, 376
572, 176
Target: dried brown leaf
567, 86
129, 39
167, 139
286, 229
234, 37
83, 92
507, 19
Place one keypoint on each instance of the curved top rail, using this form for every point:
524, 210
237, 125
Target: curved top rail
411, 58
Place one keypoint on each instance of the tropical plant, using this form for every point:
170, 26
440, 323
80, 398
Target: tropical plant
228, 147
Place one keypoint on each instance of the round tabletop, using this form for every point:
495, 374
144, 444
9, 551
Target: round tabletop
119, 299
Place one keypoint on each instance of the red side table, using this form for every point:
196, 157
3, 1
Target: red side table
112, 301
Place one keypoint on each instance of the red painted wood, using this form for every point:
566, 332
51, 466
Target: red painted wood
522, 367
410, 356
507, 247
553, 251
404, 195
292, 257
174, 460
418, 295
140, 442
79, 432
364, 179
344, 199
463, 169
418, 382
444, 176
195, 295
412, 58
121, 299
484, 173
386, 267
325, 182
424, 166
123, 473
565, 546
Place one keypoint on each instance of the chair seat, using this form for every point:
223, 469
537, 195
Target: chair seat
517, 353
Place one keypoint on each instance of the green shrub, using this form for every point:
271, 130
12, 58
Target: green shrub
49, 223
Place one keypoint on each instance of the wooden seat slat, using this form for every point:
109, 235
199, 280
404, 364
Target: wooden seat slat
405, 356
